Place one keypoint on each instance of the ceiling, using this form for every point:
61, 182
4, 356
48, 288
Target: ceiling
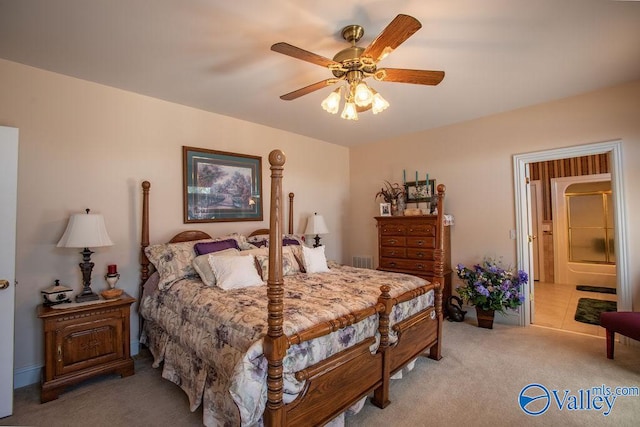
215, 55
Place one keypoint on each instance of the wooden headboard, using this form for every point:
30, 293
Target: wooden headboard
183, 236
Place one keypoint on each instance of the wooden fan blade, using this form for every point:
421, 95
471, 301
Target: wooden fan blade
296, 52
308, 89
418, 77
400, 29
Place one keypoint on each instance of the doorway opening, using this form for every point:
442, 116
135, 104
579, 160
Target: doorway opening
579, 239
524, 220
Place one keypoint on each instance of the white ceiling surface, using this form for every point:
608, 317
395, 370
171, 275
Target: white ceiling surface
215, 55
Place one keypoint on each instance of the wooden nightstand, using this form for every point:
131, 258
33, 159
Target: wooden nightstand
84, 341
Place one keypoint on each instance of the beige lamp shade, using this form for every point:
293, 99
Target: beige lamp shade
85, 231
316, 225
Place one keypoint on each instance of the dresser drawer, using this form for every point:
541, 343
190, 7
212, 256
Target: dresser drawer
419, 253
409, 266
421, 229
393, 252
393, 241
421, 242
399, 228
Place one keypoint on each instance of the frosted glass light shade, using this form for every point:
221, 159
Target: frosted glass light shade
331, 103
379, 104
349, 112
362, 95
85, 231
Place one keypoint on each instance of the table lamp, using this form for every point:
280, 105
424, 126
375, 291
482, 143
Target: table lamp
85, 231
317, 226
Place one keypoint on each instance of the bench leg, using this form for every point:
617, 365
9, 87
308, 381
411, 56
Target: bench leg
611, 337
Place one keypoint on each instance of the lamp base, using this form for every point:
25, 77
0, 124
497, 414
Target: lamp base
317, 243
87, 296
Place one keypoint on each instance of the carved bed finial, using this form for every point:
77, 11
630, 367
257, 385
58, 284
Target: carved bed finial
277, 158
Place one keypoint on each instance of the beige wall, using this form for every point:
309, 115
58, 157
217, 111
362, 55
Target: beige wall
474, 160
86, 145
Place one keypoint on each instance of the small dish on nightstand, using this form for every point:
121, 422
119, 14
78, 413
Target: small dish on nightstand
111, 293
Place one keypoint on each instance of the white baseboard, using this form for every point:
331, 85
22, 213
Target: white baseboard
31, 374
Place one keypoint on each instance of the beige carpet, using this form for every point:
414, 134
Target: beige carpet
477, 383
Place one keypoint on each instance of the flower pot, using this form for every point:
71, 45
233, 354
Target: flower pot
485, 318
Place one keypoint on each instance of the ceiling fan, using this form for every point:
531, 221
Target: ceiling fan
355, 64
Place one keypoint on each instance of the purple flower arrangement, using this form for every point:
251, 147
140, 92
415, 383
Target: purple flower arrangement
489, 286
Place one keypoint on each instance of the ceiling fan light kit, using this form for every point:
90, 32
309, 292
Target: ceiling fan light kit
355, 64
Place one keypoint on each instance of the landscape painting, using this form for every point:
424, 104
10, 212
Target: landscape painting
221, 186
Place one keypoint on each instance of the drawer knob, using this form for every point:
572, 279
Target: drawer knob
393, 241
392, 264
420, 242
420, 266
420, 254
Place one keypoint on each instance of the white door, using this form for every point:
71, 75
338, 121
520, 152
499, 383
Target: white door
8, 200
530, 252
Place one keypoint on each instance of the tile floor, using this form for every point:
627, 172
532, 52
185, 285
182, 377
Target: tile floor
555, 307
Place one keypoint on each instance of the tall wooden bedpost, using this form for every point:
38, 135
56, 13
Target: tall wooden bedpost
438, 273
144, 242
275, 343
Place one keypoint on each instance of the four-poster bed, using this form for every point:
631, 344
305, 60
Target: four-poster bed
326, 340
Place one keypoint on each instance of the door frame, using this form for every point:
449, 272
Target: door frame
523, 217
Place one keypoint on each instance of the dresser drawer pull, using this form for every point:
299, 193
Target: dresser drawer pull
420, 242
392, 264
392, 253
420, 254
393, 241
420, 266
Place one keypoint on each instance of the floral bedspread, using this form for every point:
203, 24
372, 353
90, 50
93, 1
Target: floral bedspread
211, 340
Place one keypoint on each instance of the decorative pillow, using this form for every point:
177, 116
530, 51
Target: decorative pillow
208, 247
290, 265
256, 251
203, 268
235, 272
261, 240
314, 259
173, 260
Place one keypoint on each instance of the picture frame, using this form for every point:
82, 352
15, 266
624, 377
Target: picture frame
221, 186
415, 193
385, 209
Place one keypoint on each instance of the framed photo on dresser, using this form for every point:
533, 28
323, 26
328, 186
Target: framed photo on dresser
385, 209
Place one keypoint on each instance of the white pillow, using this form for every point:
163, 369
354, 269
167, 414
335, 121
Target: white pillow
314, 259
203, 268
235, 272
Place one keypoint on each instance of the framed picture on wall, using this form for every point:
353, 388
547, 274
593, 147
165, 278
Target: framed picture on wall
385, 209
416, 191
221, 186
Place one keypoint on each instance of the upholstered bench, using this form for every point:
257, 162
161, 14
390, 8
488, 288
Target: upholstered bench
626, 323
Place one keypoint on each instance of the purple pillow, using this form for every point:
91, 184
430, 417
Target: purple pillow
287, 242
259, 243
208, 247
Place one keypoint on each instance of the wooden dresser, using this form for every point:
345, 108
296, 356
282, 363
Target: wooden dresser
406, 244
84, 341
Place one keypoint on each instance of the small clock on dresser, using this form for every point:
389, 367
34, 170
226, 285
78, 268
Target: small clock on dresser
83, 341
